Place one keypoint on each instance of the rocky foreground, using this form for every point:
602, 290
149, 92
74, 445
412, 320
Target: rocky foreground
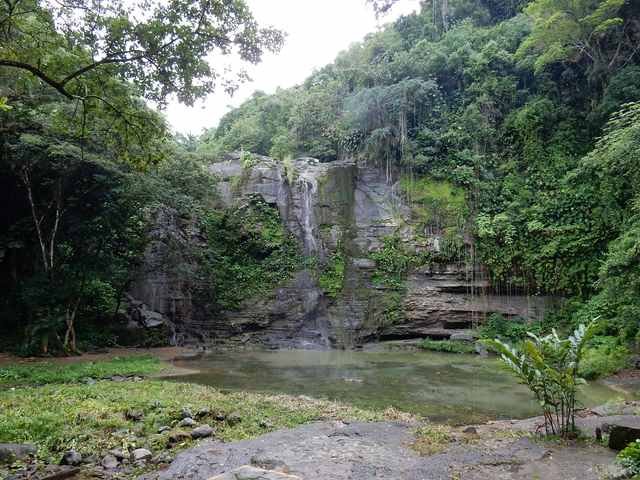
389, 450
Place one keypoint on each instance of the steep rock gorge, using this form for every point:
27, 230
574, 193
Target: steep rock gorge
343, 214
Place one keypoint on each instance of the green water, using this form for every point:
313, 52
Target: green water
444, 387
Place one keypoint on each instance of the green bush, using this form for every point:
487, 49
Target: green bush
332, 277
512, 330
393, 262
447, 346
249, 253
630, 457
604, 356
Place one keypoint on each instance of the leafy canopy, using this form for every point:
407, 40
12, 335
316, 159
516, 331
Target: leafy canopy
164, 48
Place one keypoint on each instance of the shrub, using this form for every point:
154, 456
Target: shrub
604, 356
549, 366
508, 330
629, 457
332, 277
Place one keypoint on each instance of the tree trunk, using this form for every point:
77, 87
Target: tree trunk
70, 335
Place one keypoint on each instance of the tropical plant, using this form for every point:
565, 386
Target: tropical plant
629, 457
549, 366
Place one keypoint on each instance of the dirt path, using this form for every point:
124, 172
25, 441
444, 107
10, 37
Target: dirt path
163, 353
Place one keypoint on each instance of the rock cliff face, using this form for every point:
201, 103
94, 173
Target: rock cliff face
330, 207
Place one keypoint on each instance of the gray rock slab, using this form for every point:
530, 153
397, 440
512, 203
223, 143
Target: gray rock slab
365, 451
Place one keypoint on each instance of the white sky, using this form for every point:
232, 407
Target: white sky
317, 31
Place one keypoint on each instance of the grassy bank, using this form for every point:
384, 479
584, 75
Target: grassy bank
45, 407
448, 346
46, 372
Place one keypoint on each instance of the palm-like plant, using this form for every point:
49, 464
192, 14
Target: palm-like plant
549, 366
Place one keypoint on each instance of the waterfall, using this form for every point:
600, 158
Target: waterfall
308, 190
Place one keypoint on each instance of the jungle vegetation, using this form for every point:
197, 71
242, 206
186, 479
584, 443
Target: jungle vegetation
524, 113
524, 116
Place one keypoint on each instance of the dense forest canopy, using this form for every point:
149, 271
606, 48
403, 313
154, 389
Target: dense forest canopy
531, 108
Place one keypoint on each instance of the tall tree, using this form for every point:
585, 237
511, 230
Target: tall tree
163, 47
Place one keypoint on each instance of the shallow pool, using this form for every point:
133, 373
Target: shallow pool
444, 387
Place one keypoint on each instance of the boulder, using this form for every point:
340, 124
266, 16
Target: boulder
234, 419
9, 452
118, 454
252, 473
621, 435
109, 462
202, 431
187, 422
72, 458
141, 455
462, 337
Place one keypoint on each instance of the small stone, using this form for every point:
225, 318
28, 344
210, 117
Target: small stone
186, 413
203, 412
141, 455
72, 458
481, 349
187, 422
134, 415
9, 452
89, 381
234, 419
163, 458
269, 464
471, 430
118, 454
118, 378
163, 429
109, 462
220, 417
177, 437
202, 431
252, 473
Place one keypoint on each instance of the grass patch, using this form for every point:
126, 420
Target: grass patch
449, 346
43, 373
91, 418
432, 439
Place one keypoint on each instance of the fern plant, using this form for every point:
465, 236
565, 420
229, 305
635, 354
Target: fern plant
549, 366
